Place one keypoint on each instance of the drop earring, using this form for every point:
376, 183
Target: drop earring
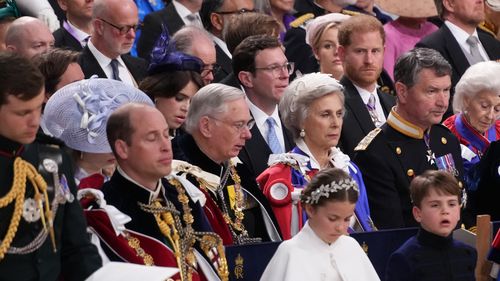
302, 133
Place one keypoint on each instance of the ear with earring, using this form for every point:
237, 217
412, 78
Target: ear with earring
302, 133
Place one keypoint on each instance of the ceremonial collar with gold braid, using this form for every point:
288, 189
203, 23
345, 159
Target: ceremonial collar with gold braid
403, 126
214, 184
24, 170
182, 238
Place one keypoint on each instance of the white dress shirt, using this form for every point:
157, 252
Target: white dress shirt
260, 118
461, 37
105, 64
365, 96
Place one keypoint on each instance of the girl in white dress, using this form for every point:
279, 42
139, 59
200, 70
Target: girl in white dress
322, 250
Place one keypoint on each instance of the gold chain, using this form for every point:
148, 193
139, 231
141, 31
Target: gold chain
135, 244
22, 171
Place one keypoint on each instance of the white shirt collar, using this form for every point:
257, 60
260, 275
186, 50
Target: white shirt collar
183, 11
103, 60
78, 33
461, 35
260, 116
221, 45
152, 194
365, 95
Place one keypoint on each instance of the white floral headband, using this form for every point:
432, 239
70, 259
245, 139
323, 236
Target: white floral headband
333, 187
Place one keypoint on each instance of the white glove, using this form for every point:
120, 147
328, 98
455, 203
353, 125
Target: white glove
40, 9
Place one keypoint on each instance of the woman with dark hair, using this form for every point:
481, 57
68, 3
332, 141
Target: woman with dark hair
173, 79
322, 250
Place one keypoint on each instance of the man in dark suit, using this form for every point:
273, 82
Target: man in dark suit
411, 141
214, 15
262, 69
174, 16
76, 29
460, 24
361, 50
114, 23
196, 41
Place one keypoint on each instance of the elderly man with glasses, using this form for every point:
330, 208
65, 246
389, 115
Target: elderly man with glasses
263, 71
218, 126
106, 54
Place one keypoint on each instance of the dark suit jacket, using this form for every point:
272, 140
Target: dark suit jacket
256, 152
357, 121
231, 80
225, 64
151, 28
137, 66
443, 41
64, 39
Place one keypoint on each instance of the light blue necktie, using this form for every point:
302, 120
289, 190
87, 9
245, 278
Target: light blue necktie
272, 138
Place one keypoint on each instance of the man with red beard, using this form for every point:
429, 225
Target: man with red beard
218, 125
361, 49
263, 70
411, 141
114, 25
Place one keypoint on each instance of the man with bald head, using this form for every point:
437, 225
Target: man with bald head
28, 37
196, 41
106, 54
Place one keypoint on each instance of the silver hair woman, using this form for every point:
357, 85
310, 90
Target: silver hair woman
321, 35
312, 109
476, 104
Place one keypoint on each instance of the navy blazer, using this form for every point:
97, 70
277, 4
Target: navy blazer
225, 64
64, 39
256, 151
357, 121
137, 66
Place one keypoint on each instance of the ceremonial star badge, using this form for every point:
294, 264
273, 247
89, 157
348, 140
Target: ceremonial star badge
430, 156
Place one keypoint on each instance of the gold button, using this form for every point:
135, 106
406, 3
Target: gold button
410, 173
398, 150
444, 140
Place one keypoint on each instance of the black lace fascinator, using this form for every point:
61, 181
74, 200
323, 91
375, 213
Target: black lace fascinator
165, 58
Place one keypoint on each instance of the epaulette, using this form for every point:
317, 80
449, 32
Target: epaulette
487, 27
302, 20
351, 13
365, 142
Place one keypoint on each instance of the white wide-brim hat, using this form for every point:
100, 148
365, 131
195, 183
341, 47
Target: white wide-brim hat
494, 5
409, 8
78, 112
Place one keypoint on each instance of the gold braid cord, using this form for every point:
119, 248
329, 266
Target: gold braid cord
182, 238
22, 171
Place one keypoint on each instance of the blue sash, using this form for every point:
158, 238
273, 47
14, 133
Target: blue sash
478, 143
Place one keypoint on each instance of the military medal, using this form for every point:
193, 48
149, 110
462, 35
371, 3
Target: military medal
431, 157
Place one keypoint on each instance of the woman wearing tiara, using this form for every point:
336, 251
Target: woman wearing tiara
312, 109
322, 250
173, 79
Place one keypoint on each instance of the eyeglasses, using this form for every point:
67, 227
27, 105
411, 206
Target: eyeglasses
239, 126
240, 11
122, 29
207, 68
277, 69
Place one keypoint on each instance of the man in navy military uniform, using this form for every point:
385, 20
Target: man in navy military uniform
411, 141
42, 239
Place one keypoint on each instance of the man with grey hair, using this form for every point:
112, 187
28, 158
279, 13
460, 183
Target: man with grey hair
196, 41
459, 40
28, 37
411, 141
106, 55
218, 125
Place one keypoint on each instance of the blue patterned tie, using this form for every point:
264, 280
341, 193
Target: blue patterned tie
114, 67
272, 138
